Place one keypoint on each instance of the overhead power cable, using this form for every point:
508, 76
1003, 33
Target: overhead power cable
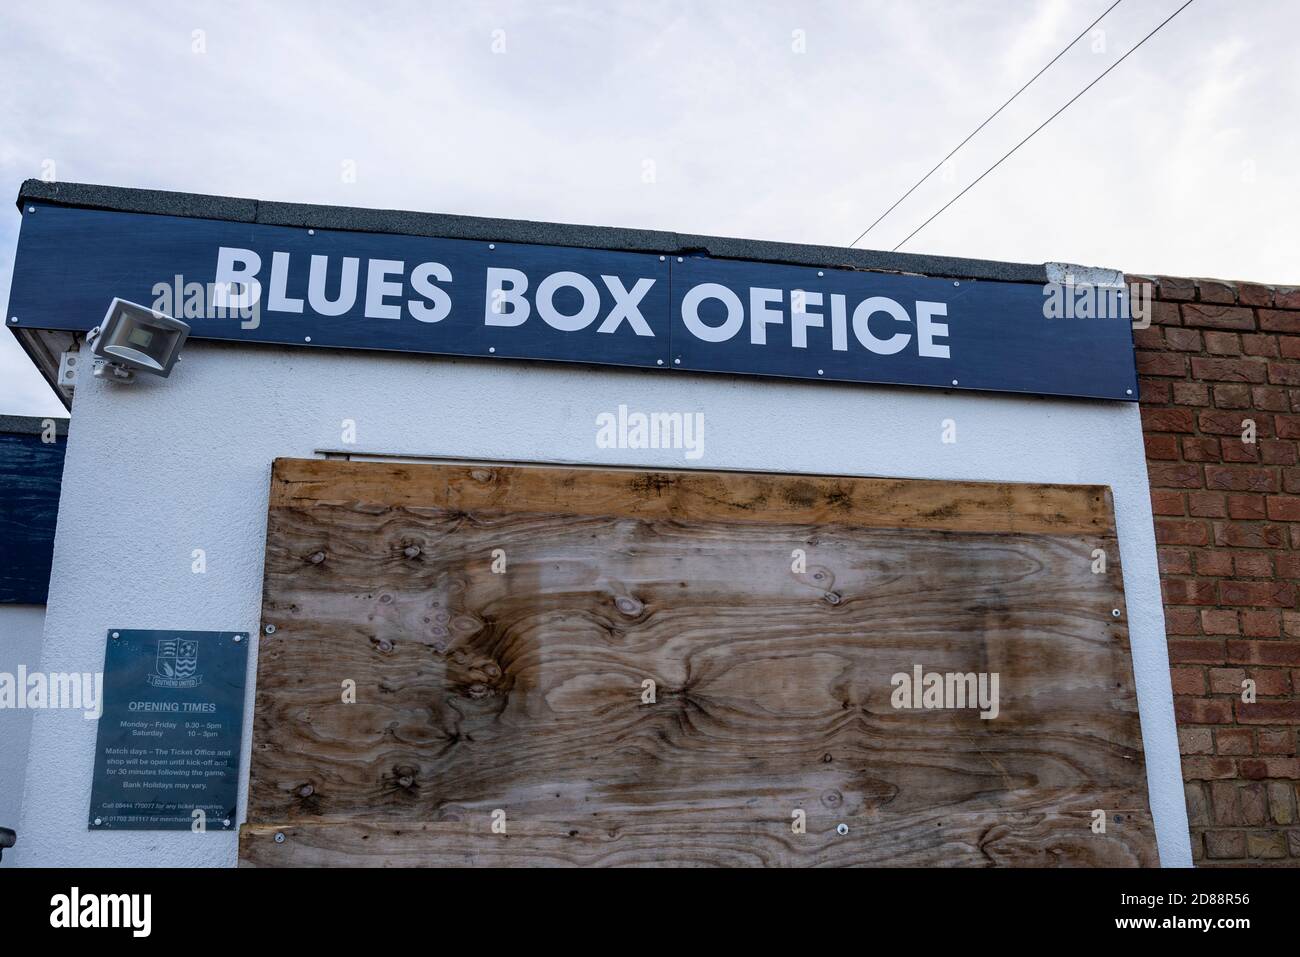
984, 124
1044, 123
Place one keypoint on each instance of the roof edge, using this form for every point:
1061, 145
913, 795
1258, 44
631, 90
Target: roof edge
454, 226
32, 425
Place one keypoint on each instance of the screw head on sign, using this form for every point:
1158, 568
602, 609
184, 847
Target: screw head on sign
1114, 613
279, 837
98, 821
269, 629
841, 829
238, 638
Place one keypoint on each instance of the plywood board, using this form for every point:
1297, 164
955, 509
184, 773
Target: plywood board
517, 694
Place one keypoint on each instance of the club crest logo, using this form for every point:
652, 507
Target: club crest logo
177, 664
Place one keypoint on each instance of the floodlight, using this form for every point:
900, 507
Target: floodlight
134, 338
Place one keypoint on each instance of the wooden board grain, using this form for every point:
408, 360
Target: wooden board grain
521, 692
757, 497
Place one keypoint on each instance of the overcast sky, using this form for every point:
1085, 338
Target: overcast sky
788, 121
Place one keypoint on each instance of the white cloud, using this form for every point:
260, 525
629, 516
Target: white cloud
748, 136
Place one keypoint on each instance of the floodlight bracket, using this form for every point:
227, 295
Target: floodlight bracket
134, 338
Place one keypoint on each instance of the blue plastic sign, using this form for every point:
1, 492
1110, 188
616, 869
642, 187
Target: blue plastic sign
167, 748
355, 290
31, 474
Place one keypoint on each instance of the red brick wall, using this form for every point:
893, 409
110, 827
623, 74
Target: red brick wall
1227, 522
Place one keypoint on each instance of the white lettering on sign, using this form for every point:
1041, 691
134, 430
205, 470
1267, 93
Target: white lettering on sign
239, 286
347, 296
879, 324
379, 287
569, 301
506, 302
237, 269
801, 319
691, 312
862, 329
279, 301
506, 306
626, 305
424, 279
927, 329
558, 320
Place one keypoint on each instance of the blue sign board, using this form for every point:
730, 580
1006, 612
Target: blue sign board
31, 473
167, 751
358, 290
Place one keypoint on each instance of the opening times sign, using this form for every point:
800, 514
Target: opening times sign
325, 288
167, 748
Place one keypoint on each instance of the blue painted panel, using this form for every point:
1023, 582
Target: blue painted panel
72, 262
30, 475
167, 742
913, 330
973, 335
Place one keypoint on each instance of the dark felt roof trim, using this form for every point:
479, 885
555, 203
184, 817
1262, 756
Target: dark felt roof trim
447, 226
32, 425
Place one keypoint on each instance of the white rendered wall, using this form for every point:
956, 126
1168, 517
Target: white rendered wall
20, 644
186, 463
